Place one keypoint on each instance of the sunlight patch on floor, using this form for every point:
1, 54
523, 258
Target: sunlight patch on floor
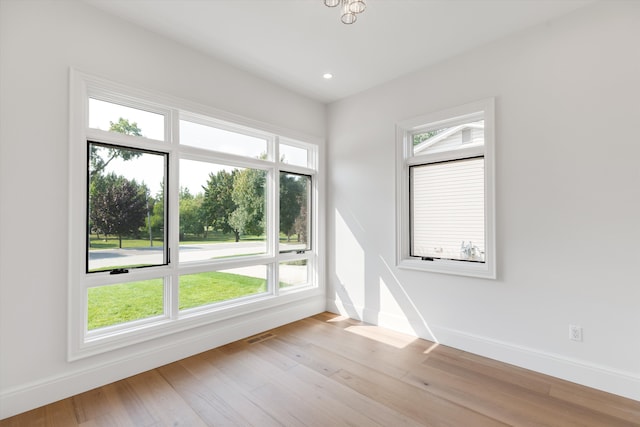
338, 318
385, 336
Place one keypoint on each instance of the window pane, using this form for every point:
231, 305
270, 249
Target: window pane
211, 138
130, 121
222, 211
294, 155
295, 208
125, 302
126, 212
450, 138
217, 286
293, 273
447, 210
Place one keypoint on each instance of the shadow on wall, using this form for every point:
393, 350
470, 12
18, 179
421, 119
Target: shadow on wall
364, 284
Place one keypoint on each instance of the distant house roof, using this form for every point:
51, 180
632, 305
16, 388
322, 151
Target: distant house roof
452, 138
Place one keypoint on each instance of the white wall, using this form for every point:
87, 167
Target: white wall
568, 202
39, 41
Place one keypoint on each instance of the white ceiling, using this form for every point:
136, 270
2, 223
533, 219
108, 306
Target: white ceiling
294, 42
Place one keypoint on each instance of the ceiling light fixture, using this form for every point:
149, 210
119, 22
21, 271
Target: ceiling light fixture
349, 9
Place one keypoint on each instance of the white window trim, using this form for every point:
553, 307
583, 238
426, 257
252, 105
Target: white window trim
83, 343
405, 158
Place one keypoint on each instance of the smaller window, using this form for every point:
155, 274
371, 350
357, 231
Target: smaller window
445, 182
295, 209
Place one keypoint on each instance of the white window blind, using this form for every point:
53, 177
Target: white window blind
447, 210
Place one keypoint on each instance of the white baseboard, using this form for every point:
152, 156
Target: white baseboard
622, 383
47, 390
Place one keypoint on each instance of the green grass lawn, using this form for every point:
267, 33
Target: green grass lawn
115, 304
206, 288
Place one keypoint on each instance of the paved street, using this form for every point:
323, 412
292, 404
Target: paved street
104, 258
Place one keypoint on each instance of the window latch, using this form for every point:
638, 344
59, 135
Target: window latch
119, 271
300, 252
427, 258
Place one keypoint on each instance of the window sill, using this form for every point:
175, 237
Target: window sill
459, 268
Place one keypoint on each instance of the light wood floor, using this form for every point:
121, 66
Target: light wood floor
329, 371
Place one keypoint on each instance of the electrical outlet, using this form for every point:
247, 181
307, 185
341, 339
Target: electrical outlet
575, 333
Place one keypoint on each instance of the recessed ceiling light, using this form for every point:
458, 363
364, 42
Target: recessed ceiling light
327, 76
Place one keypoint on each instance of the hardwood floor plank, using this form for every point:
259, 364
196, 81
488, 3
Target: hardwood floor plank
420, 405
33, 418
224, 387
60, 414
243, 367
287, 406
102, 405
90, 404
161, 400
210, 407
311, 387
615, 406
318, 359
108, 420
376, 413
127, 398
303, 400
492, 370
263, 382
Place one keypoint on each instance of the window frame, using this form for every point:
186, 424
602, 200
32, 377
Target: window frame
165, 251
83, 342
405, 159
310, 213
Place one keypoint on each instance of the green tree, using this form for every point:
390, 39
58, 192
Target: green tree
123, 126
191, 219
101, 156
117, 206
421, 137
248, 195
292, 196
156, 210
218, 204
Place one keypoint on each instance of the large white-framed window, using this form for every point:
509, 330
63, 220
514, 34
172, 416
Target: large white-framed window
181, 215
445, 217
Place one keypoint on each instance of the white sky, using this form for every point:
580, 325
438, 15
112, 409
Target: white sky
148, 168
